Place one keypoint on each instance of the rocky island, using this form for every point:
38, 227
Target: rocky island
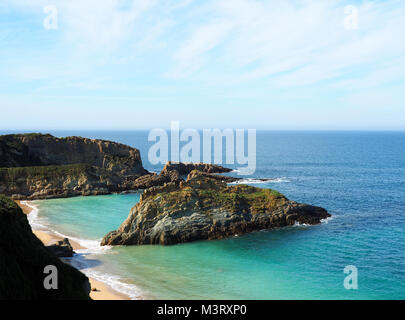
203, 208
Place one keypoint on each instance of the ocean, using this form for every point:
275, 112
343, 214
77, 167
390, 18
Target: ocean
359, 177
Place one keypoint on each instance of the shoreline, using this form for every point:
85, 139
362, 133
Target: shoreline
102, 291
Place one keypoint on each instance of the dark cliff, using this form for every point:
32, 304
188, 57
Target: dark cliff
23, 258
39, 166
28, 150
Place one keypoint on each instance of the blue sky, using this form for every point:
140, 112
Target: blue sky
140, 64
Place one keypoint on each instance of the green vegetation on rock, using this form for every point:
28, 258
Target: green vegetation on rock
40, 166
234, 198
204, 208
43, 172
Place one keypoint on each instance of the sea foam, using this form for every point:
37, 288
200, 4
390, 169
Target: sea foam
257, 181
79, 261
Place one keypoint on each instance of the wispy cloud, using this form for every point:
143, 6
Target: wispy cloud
226, 52
295, 44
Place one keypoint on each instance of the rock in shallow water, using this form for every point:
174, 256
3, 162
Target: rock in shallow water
204, 208
62, 249
23, 259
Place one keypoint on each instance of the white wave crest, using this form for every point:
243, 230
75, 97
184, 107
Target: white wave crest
33, 215
79, 261
257, 181
297, 224
113, 281
90, 246
326, 220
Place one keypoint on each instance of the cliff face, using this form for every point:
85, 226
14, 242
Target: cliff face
37, 166
47, 182
27, 150
23, 258
40, 166
204, 208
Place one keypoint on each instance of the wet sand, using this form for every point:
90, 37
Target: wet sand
99, 290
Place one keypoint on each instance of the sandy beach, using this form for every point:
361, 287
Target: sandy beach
99, 290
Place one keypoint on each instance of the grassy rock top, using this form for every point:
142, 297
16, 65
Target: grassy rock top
41, 166
203, 207
8, 206
186, 168
211, 194
13, 174
28, 150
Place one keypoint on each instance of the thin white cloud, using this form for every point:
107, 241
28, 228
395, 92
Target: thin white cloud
287, 43
96, 23
294, 43
91, 23
202, 40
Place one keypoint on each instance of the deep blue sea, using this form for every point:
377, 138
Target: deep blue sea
359, 177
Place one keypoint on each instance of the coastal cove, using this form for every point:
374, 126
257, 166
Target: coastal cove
202, 159
100, 290
364, 195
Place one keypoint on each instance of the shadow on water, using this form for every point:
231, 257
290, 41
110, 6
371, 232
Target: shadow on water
79, 261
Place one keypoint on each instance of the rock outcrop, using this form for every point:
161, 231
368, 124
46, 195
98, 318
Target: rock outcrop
23, 259
220, 177
186, 168
153, 179
205, 208
28, 150
37, 166
41, 166
62, 249
173, 172
45, 182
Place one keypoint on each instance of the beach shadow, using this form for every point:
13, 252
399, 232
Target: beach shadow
80, 262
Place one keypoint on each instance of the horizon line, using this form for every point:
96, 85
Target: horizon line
45, 131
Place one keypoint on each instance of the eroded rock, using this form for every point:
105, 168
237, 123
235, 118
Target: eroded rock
62, 249
202, 208
38, 166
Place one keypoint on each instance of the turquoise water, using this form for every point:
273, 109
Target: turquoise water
358, 177
89, 216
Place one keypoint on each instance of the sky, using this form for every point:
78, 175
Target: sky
140, 64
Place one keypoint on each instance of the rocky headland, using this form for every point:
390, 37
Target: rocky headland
184, 202
35, 149
204, 207
23, 258
186, 168
41, 166
174, 172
